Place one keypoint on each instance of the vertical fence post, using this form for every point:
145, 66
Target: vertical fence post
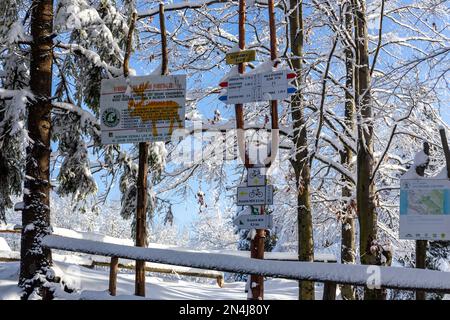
113, 268
329, 291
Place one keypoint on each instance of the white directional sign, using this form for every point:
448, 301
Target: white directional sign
425, 209
263, 86
147, 108
251, 221
255, 178
254, 195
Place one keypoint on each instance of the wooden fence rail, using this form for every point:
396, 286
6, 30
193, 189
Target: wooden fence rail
91, 262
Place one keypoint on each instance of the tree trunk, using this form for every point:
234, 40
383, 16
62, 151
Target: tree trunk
348, 224
300, 161
35, 259
365, 191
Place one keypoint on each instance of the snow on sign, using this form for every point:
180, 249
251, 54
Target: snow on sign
251, 221
263, 86
240, 56
254, 195
255, 177
425, 209
149, 108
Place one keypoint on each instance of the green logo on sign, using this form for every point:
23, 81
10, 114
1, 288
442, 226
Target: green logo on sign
111, 117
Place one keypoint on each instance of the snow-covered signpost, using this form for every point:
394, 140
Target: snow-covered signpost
139, 110
258, 86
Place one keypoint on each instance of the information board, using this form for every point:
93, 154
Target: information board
425, 209
147, 108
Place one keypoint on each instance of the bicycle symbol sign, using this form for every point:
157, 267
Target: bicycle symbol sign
254, 195
255, 178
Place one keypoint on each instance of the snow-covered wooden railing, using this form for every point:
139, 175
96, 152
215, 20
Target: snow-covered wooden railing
96, 261
383, 277
91, 261
282, 256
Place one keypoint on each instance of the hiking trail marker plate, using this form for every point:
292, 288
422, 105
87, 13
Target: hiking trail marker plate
252, 221
147, 108
240, 56
248, 196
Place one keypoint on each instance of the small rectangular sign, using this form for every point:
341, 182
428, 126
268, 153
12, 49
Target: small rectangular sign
255, 178
254, 195
251, 221
272, 85
425, 209
240, 57
148, 108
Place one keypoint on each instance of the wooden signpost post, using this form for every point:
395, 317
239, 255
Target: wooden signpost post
423, 198
145, 104
270, 85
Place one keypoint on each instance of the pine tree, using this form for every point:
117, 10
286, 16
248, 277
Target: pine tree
36, 260
13, 102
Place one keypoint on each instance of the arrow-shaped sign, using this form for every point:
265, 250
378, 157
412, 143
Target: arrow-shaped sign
290, 91
251, 221
289, 75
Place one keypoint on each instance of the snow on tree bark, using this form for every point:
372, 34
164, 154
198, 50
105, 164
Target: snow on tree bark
348, 248
365, 189
300, 160
36, 260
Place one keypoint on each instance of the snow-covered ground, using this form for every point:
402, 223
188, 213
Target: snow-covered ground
93, 284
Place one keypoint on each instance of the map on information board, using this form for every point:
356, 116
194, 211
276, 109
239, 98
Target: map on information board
425, 209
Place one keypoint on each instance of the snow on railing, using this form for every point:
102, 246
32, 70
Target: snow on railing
318, 256
383, 277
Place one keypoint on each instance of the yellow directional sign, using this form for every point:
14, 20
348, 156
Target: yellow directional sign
241, 56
